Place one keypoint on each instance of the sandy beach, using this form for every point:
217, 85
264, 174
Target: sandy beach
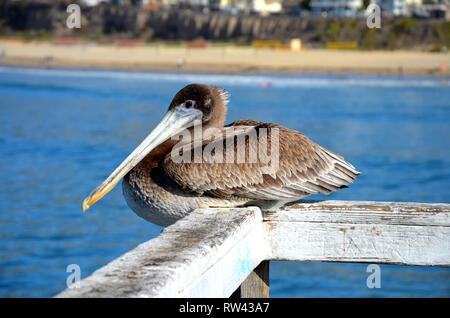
226, 59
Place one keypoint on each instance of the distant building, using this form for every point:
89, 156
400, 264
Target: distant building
438, 9
265, 7
41, 1
423, 9
92, 3
396, 7
194, 3
262, 7
144, 3
339, 8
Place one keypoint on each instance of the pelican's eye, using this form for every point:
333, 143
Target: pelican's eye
189, 103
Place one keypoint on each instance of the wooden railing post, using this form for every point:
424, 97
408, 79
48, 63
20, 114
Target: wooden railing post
256, 285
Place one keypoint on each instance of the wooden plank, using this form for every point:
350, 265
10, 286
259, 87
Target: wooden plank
206, 254
257, 283
365, 212
363, 231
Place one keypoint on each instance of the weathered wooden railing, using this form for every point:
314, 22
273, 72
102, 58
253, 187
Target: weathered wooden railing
211, 252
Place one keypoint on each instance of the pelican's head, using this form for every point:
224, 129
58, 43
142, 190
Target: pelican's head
195, 104
211, 101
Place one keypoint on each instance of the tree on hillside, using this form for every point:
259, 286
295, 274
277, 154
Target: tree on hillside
306, 4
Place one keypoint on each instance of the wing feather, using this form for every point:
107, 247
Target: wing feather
304, 168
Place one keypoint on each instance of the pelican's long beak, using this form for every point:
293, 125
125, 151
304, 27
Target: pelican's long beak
175, 121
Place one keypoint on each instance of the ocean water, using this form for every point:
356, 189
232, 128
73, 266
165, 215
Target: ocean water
63, 131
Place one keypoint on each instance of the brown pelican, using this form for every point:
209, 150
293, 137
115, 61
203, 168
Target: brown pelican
161, 188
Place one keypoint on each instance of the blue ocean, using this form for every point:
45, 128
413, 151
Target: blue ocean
63, 131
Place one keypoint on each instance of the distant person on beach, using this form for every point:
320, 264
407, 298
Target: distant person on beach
180, 63
400, 71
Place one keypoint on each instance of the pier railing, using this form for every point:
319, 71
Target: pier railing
224, 252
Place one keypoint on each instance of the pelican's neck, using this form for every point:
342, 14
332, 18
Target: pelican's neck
157, 154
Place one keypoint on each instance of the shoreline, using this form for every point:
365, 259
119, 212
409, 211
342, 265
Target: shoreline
212, 72
225, 60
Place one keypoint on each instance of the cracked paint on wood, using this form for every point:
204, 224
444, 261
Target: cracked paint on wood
211, 252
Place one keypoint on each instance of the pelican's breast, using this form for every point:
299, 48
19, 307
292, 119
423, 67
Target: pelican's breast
153, 197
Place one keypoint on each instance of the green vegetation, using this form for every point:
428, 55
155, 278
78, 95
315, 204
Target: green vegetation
306, 4
332, 31
403, 25
368, 39
366, 3
442, 32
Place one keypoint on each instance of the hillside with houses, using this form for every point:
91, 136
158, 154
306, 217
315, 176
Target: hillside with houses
314, 23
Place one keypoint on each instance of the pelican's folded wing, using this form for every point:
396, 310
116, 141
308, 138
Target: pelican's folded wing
276, 163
